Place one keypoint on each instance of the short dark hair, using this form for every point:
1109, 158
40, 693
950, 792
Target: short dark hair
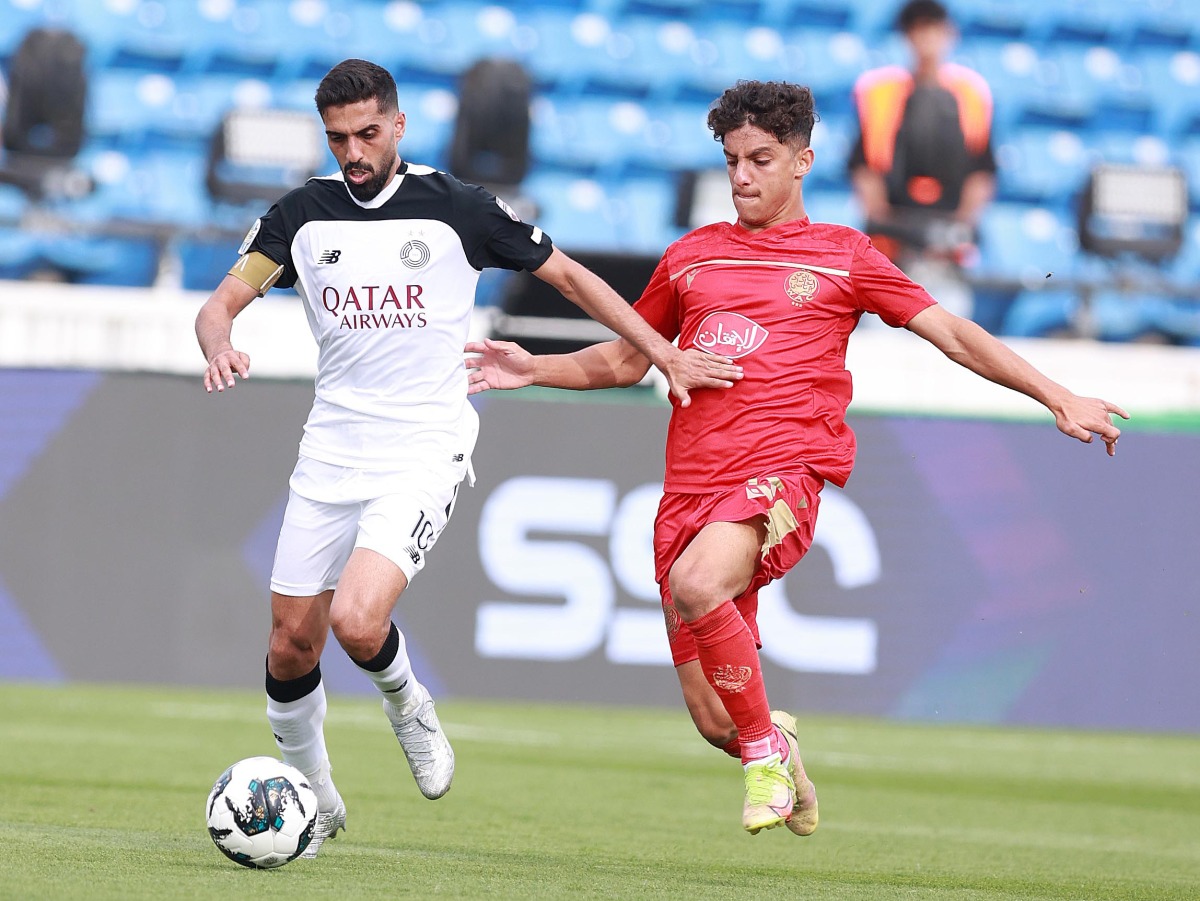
920, 12
779, 108
356, 80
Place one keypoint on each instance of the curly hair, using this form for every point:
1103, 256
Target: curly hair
779, 108
355, 80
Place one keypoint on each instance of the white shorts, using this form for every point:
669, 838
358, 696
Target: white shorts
332, 510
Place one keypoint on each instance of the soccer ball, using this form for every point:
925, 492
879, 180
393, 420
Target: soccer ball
261, 812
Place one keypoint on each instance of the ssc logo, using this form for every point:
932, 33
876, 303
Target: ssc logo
414, 254
801, 286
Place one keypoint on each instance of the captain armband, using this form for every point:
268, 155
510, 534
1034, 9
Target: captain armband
257, 270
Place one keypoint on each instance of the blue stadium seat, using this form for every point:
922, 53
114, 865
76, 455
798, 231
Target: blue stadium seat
448, 37
81, 258
829, 62
832, 138
242, 39
19, 252
1041, 166
204, 262
582, 213
1108, 90
1027, 242
1172, 81
1025, 83
675, 138
837, 207
1116, 316
13, 203
430, 112
586, 133
122, 105
726, 52
1039, 314
572, 210
554, 55
636, 57
643, 210
159, 188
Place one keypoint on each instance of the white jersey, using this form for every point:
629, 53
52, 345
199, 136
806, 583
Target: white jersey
388, 287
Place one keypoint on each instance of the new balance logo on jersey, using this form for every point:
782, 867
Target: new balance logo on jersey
328, 257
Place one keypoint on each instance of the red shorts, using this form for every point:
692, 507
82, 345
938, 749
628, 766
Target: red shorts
789, 504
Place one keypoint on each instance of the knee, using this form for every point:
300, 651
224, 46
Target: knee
358, 634
691, 591
291, 654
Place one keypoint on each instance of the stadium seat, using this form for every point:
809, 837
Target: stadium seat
836, 207
829, 62
573, 210
1041, 314
1024, 82
204, 262
1020, 241
1041, 166
241, 39
1107, 90
19, 253
101, 259
635, 57
445, 38
676, 138
726, 52
586, 133
1172, 81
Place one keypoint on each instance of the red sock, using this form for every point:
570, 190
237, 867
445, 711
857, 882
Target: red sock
730, 662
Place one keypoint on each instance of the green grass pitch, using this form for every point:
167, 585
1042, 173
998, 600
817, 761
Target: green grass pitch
102, 792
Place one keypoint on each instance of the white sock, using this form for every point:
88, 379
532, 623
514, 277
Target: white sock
395, 679
299, 732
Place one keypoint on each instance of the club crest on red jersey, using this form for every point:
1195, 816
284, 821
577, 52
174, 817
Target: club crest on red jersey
730, 334
801, 286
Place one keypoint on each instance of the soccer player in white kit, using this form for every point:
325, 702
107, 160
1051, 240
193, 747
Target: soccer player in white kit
385, 256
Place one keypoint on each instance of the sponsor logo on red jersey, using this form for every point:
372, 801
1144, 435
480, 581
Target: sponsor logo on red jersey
730, 334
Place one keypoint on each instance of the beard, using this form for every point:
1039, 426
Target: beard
370, 188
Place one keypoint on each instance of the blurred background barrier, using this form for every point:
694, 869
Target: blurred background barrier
972, 570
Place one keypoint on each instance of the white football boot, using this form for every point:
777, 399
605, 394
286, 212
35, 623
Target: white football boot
429, 754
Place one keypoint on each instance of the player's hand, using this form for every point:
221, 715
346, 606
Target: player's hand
1083, 417
694, 368
499, 364
223, 366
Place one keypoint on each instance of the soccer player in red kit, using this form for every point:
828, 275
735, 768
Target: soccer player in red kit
768, 302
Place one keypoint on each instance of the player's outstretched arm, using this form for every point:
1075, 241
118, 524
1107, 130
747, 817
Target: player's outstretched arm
214, 327
506, 365
594, 296
968, 344
611, 364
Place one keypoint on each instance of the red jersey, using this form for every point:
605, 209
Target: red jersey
782, 302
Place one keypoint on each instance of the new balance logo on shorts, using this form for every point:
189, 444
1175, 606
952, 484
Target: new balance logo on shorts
328, 257
414, 553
